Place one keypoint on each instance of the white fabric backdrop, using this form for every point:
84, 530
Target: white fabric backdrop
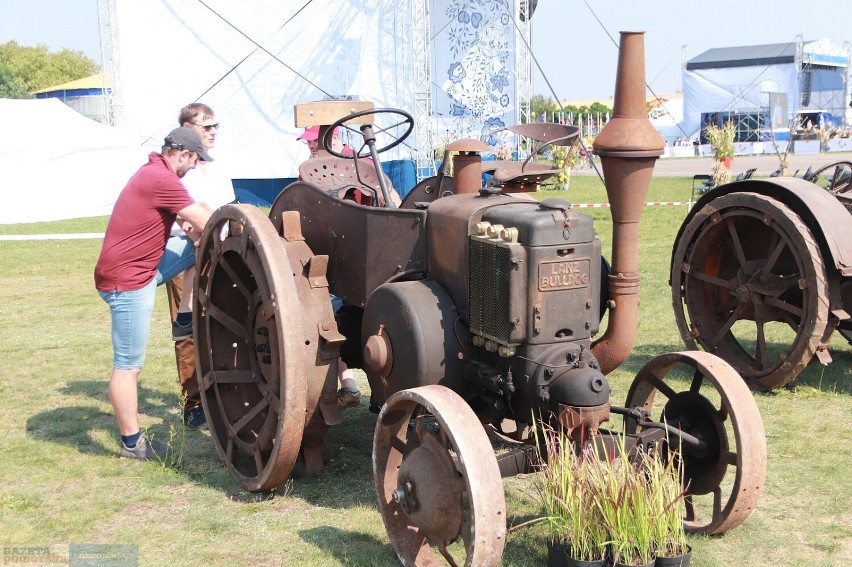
474, 82
57, 164
731, 89
171, 51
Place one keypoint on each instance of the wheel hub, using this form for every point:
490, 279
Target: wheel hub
742, 293
429, 471
694, 414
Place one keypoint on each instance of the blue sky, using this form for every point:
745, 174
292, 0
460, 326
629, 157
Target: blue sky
573, 48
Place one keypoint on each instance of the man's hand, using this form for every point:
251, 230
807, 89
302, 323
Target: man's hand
192, 220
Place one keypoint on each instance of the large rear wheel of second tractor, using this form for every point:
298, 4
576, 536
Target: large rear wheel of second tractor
749, 285
251, 361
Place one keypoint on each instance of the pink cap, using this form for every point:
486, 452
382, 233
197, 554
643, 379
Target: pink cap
311, 133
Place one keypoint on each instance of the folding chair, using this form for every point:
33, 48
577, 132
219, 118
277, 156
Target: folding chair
701, 183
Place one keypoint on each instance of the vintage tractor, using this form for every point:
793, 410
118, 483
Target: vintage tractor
761, 273
472, 311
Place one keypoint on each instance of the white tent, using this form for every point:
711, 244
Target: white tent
57, 164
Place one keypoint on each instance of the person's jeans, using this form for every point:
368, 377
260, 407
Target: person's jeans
178, 256
130, 311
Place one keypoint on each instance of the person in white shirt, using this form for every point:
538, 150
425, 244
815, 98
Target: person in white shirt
212, 187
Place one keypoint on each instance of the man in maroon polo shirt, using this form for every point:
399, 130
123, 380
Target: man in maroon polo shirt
138, 254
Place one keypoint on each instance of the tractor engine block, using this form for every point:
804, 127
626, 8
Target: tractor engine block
505, 315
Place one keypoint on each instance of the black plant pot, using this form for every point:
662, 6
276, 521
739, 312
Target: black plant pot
559, 555
619, 564
675, 561
581, 563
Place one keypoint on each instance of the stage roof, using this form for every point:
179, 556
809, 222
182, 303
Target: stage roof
771, 54
821, 52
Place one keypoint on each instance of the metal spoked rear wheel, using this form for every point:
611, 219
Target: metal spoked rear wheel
749, 285
247, 327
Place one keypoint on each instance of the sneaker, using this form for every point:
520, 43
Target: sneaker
348, 397
181, 332
195, 418
146, 450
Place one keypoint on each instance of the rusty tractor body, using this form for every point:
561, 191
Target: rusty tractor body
761, 273
472, 310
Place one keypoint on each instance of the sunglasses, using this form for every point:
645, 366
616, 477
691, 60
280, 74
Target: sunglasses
206, 127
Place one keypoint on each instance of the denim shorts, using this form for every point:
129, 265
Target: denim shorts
130, 311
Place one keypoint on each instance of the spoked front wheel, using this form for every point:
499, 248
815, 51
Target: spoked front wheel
701, 395
437, 480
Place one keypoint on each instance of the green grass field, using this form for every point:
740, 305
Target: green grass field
62, 483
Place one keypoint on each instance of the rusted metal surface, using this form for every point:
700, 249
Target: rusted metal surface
816, 206
344, 176
628, 146
466, 156
746, 257
453, 221
518, 176
464, 307
409, 354
428, 190
249, 335
321, 339
629, 133
725, 481
355, 239
438, 481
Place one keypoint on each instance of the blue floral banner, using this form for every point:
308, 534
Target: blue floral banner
474, 68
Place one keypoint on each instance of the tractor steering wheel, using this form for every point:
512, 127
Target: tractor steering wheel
398, 131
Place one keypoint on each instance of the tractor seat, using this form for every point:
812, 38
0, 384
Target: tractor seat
338, 176
525, 175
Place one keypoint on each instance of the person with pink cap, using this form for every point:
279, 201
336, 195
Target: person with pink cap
348, 394
311, 137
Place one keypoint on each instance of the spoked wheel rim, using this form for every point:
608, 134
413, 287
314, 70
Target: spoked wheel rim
749, 285
836, 178
704, 396
251, 377
438, 481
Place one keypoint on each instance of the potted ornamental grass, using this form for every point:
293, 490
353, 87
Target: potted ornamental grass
623, 509
722, 140
577, 535
625, 506
666, 485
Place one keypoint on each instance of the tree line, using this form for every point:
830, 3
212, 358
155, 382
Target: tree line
26, 69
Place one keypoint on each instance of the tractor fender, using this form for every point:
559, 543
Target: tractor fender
827, 218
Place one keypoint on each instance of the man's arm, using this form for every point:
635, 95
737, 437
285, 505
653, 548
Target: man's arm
193, 218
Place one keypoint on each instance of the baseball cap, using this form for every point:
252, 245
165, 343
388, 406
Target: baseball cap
186, 139
310, 134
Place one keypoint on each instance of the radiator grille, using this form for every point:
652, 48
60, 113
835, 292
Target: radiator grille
490, 272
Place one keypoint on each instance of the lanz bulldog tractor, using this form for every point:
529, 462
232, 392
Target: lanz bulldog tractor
471, 310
